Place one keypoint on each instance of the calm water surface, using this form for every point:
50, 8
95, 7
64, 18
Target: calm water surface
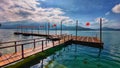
83, 56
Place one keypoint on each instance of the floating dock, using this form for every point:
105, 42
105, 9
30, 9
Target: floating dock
24, 53
56, 40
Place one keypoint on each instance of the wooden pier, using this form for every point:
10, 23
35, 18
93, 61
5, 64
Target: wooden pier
6, 59
51, 37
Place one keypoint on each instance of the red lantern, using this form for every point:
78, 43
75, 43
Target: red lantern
88, 24
54, 25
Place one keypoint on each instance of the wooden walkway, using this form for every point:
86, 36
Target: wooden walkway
88, 41
30, 34
23, 53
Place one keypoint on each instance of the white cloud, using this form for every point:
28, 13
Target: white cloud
42, 0
17, 10
104, 20
107, 13
116, 8
115, 25
106, 23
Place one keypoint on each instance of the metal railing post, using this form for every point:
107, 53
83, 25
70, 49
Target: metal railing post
53, 43
42, 46
71, 36
46, 42
64, 38
15, 48
22, 48
101, 30
68, 37
59, 41
61, 29
96, 35
42, 64
76, 29
34, 44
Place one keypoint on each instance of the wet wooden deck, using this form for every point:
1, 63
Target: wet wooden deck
88, 41
12, 57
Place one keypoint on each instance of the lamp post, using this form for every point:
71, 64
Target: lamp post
0, 25
76, 29
101, 30
61, 29
48, 27
56, 29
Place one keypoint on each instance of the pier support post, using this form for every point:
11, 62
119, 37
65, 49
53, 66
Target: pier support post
38, 30
99, 52
64, 39
46, 42
68, 37
96, 35
61, 28
22, 48
76, 28
15, 48
21, 28
17, 29
59, 41
53, 43
56, 30
101, 30
42, 45
34, 44
31, 30
48, 28
42, 64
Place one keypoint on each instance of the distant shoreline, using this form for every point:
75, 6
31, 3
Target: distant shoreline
69, 30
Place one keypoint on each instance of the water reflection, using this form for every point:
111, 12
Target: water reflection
68, 54
108, 57
99, 53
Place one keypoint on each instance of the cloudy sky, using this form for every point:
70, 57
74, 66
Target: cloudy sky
67, 11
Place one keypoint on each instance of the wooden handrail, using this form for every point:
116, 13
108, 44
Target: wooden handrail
18, 41
29, 41
3, 47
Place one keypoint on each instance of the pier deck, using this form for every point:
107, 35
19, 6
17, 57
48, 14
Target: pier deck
18, 55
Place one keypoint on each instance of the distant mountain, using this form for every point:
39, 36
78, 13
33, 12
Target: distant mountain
106, 28
74, 28
14, 25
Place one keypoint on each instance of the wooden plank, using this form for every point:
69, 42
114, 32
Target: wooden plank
89, 39
92, 39
81, 38
1, 62
4, 60
84, 39
8, 58
96, 40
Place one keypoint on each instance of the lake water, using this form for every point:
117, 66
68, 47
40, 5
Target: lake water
84, 57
